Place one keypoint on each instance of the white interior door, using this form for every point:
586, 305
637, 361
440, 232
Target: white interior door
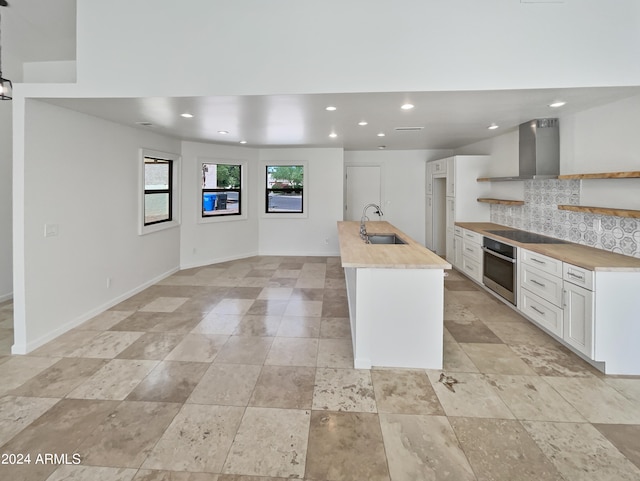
362, 187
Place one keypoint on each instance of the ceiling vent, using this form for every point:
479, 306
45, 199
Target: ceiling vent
408, 129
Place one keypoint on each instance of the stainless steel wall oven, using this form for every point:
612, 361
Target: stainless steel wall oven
499, 271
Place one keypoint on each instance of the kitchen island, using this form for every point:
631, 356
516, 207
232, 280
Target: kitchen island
396, 299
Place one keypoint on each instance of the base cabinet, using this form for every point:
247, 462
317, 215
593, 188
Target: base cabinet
578, 319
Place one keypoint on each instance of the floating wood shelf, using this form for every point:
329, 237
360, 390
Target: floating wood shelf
635, 214
604, 175
483, 179
501, 201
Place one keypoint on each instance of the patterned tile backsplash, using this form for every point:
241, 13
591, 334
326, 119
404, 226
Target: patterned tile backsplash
540, 214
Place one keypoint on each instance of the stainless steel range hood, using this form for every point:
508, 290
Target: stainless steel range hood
539, 151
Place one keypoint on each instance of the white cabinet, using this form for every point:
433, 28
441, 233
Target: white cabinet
451, 177
471, 262
428, 231
578, 318
450, 204
457, 251
429, 178
439, 166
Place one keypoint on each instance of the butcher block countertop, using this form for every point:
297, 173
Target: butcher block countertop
579, 255
412, 255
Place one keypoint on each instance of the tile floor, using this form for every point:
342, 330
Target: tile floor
242, 371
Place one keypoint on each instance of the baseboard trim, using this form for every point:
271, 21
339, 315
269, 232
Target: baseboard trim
25, 348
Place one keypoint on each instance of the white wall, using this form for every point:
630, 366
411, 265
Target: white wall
82, 174
316, 232
207, 243
403, 185
6, 269
289, 46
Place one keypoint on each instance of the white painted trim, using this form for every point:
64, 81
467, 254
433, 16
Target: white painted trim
305, 195
22, 348
244, 190
6, 297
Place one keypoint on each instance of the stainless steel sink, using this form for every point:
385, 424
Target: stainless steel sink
384, 239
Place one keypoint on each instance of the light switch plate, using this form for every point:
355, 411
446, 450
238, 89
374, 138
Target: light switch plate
51, 230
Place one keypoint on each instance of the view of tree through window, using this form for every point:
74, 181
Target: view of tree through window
285, 189
157, 190
221, 189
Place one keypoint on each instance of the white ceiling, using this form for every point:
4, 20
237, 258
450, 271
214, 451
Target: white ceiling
43, 30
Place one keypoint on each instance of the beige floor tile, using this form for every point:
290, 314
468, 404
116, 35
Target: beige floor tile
596, 400
114, 380
59, 379
335, 328
276, 293
68, 342
581, 452
164, 304
471, 331
552, 360
270, 442
287, 387
125, 438
290, 351
455, 359
299, 327
106, 345
226, 384
105, 321
302, 308
502, 449
628, 387
198, 348
344, 390
252, 325
404, 392
236, 307
309, 281
197, 440
520, 333
531, 398
625, 437
156, 475
91, 473
152, 346
169, 381
245, 350
16, 413
253, 282
412, 455
346, 447
214, 323
455, 311
335, 353
496, 359
307, 294
17, 370
473, 396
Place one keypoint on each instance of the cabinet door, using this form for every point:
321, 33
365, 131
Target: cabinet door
428, 222
457, 249
578, 318
451, 177
450, 216
429, 179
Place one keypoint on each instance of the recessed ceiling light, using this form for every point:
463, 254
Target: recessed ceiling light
381, 134
243, 141
223, 132
382, 147
363, 123
555, 105
333, 135
407, 107
186, 115
493, 127
331, 108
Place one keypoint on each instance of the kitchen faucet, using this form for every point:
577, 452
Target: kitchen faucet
363, 229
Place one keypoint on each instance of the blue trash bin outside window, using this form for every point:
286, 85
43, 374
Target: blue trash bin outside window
209, 202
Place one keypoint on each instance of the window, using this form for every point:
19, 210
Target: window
284, 189
158, 190
159, 198
221, 189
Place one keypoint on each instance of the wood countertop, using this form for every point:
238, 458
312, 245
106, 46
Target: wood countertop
412, 255
577, 254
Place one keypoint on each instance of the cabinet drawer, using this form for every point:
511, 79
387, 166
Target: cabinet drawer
472, 268
472, 250
542, 312
458, 230
578, 276
544, 263
543, 284
469, 235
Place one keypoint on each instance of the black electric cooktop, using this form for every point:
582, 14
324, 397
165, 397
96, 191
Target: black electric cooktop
526, 237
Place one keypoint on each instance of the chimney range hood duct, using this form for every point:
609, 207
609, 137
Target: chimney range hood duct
539, 151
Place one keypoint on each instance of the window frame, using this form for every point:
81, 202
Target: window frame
305, 197
173, 190
242, 191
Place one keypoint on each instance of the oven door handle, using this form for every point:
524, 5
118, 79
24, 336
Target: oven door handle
500, 256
